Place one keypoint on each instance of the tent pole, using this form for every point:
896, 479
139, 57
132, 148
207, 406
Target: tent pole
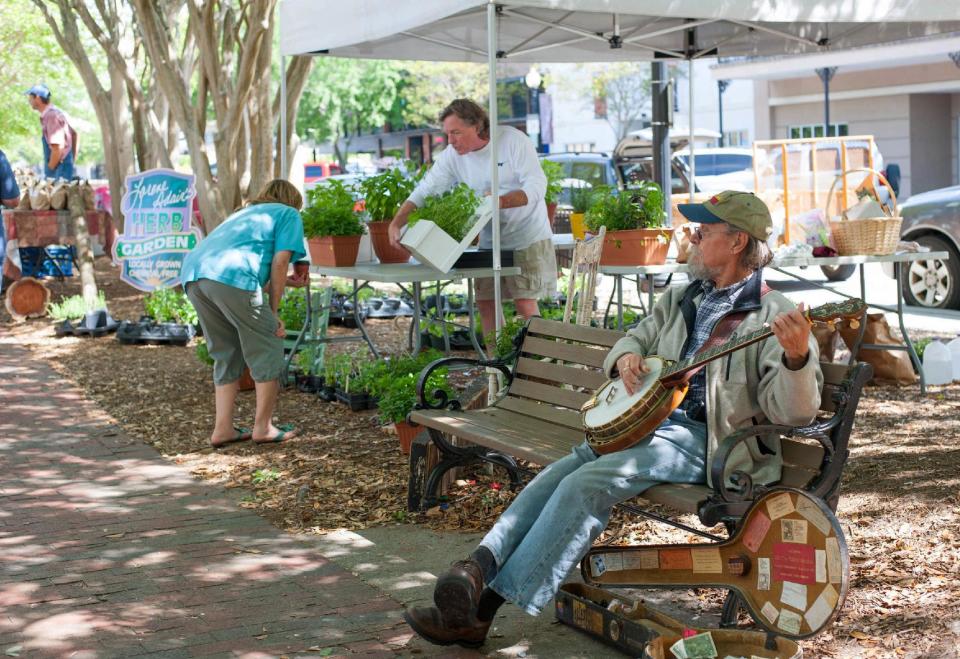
661, 126
691, 159
494, 174
283, 117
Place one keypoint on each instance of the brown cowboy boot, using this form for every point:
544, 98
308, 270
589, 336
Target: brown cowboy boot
429, 623
457, 593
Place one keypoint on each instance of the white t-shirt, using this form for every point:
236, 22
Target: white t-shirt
519, 170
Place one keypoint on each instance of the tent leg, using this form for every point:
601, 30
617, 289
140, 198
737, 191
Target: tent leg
494, 174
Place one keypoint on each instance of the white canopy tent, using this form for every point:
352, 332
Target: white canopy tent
597, 31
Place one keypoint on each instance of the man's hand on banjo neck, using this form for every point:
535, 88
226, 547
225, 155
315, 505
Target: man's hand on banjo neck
792, 329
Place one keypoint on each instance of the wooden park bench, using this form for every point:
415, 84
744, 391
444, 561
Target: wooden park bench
556, 367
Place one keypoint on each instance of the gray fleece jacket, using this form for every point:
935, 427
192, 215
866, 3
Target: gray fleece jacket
748, 387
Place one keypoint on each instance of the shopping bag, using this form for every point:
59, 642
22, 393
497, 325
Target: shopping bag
889, 366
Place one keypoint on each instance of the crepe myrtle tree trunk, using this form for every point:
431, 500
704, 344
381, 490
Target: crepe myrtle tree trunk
298, 72
61, 17
230, 36
78, 218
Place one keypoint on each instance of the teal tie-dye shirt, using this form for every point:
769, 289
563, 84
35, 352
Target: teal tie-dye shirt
240, 251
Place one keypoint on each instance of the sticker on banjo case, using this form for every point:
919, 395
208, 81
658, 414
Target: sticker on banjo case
675, 559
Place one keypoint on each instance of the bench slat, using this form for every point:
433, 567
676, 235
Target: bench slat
519, 436
685, 497
547, 394
543, 411
578, 377
581, 333
567, 352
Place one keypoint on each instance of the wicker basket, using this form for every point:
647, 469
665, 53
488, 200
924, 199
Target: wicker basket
872, 236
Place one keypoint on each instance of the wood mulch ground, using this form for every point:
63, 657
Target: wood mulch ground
900, 506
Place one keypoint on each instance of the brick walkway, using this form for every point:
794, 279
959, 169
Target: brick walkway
108, 550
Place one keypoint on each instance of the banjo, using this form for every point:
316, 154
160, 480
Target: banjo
614, 420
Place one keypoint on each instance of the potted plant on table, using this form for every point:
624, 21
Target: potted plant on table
332, 225
554, 173
634, 222
383, 194
581, 198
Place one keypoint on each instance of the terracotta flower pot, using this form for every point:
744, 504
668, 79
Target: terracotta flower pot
386, 252
551, 212
335, 251
636, 247
406, 434
246, 382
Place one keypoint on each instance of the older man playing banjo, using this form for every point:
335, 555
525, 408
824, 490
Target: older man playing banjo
555, 519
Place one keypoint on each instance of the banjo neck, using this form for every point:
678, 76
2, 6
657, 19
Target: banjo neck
732, 344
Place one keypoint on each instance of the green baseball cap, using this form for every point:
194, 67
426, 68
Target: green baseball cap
743, 210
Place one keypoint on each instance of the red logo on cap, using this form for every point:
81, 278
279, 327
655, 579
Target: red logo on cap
714, 200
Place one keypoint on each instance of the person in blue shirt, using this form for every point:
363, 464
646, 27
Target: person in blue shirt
9, 197
225, 277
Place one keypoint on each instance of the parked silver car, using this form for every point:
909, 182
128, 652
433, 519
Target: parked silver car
933, 220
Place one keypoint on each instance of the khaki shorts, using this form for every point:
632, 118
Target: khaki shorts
537, 278
239, 328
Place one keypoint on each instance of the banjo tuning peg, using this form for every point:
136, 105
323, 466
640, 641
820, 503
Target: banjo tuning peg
854, 323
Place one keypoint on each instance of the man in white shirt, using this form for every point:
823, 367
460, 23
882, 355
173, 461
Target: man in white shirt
524, 226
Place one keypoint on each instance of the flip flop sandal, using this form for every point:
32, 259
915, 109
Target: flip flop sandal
287, 431
243, 435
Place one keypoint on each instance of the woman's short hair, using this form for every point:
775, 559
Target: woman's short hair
470, 113
279, 191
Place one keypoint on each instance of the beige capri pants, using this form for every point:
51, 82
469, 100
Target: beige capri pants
239, 327
537, 278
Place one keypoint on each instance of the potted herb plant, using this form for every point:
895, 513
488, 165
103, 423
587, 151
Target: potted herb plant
554, 173
634, 222
439, 232
332, 225
383, 194
399, 399
453, 211
580, 199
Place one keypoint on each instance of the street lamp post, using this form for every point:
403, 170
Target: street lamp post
534, 82
721, 87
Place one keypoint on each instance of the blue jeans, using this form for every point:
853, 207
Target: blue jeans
64, 168
557, 516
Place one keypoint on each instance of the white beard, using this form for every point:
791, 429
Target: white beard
698, 271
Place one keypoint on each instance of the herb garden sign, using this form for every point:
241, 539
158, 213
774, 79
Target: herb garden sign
157, 229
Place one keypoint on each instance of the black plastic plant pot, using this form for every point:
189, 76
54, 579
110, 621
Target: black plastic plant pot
145, 331
372, 402
460, 340
327, 394
355, 402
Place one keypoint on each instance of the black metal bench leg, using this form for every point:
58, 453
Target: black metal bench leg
508, 463
423, 487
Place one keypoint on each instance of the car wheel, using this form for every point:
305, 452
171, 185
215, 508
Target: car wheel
838, 272
933, 283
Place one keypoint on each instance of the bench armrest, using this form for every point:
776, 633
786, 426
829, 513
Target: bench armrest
439, 397
741, 479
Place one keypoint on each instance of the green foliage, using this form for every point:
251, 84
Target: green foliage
203, 353
582, 198
920, 345
331, 211
430, 86
293, 309
554, 173
503, 344
453, 211
305, 359
384, 193
400, 397
344, 95
640, 208
169, 305
380, 375
73, 307
262, 476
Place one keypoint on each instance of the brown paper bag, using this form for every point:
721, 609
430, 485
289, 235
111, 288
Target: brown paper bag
889, 366
58, 197
826, 337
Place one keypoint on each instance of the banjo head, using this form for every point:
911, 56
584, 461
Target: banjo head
612, 402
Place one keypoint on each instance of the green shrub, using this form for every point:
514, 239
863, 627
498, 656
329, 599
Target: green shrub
74, 308
203, 353
453, 211
293, 309
503, 344
398, 400
554, 173
169, 305
384, 193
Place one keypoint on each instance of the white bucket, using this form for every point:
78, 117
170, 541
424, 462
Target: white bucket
937, 364
954, 347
